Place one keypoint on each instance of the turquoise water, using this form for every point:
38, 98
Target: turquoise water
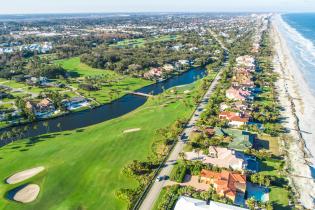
299, 32
259, 193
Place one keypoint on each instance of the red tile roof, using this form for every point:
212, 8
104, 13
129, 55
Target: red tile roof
227, 183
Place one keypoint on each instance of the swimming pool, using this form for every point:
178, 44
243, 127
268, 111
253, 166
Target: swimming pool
259, 193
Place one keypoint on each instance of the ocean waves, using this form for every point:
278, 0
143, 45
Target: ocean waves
301, 49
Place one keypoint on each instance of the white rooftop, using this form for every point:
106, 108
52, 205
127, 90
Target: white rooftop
187, 203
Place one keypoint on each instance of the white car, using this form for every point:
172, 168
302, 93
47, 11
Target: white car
159, 178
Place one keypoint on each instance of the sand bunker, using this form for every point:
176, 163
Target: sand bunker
132, 130
24, 175
27, 194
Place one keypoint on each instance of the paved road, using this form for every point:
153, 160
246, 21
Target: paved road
156, 188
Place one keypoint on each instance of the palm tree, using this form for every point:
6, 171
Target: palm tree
2, 136
182, 157
59, 126
26, 129
197, 151
267, 181
251, 203
46, 125
14, 132
9, 134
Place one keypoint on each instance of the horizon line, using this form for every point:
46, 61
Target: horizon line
153, 12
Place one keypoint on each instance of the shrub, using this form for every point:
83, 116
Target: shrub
178, 173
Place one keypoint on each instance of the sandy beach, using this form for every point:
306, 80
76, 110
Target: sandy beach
298, 112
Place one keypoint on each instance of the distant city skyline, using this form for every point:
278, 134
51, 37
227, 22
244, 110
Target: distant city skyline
98, 6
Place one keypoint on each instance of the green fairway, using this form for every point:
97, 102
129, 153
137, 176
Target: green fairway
119, 85
84, 167
76, 68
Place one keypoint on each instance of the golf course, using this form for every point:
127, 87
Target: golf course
83, 167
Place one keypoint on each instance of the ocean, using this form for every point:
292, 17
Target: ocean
299, 32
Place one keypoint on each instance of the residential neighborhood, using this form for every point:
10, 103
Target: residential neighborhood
150, 111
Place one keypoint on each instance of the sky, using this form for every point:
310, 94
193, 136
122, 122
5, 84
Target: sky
78, 6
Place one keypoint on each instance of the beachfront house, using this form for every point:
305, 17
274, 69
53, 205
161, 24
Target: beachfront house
234, 119
187, 203
220, 157
246, 61
225, 158
236, 94
227, 184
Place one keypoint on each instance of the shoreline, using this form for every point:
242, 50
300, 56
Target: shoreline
298, 104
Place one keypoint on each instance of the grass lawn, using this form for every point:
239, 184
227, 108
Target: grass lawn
278, 194
78, 69
160, 199
117, 89
279, 197
84, 167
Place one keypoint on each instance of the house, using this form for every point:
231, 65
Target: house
246, 61
43, 108
184, 62
234, 119
227, 184
225, 158
75, 103
187, 203
37, 81
237, 94
168, 68
241, 106
177, 47
154, 73
242, 140
220, 157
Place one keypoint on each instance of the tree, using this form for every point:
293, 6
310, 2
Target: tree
269, 206
267, 181
197, 150
59, 126
46, 125
251, 203
182, 157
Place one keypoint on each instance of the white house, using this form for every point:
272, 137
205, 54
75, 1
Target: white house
187, 203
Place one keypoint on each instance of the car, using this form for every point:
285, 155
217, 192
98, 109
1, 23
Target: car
159, 178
